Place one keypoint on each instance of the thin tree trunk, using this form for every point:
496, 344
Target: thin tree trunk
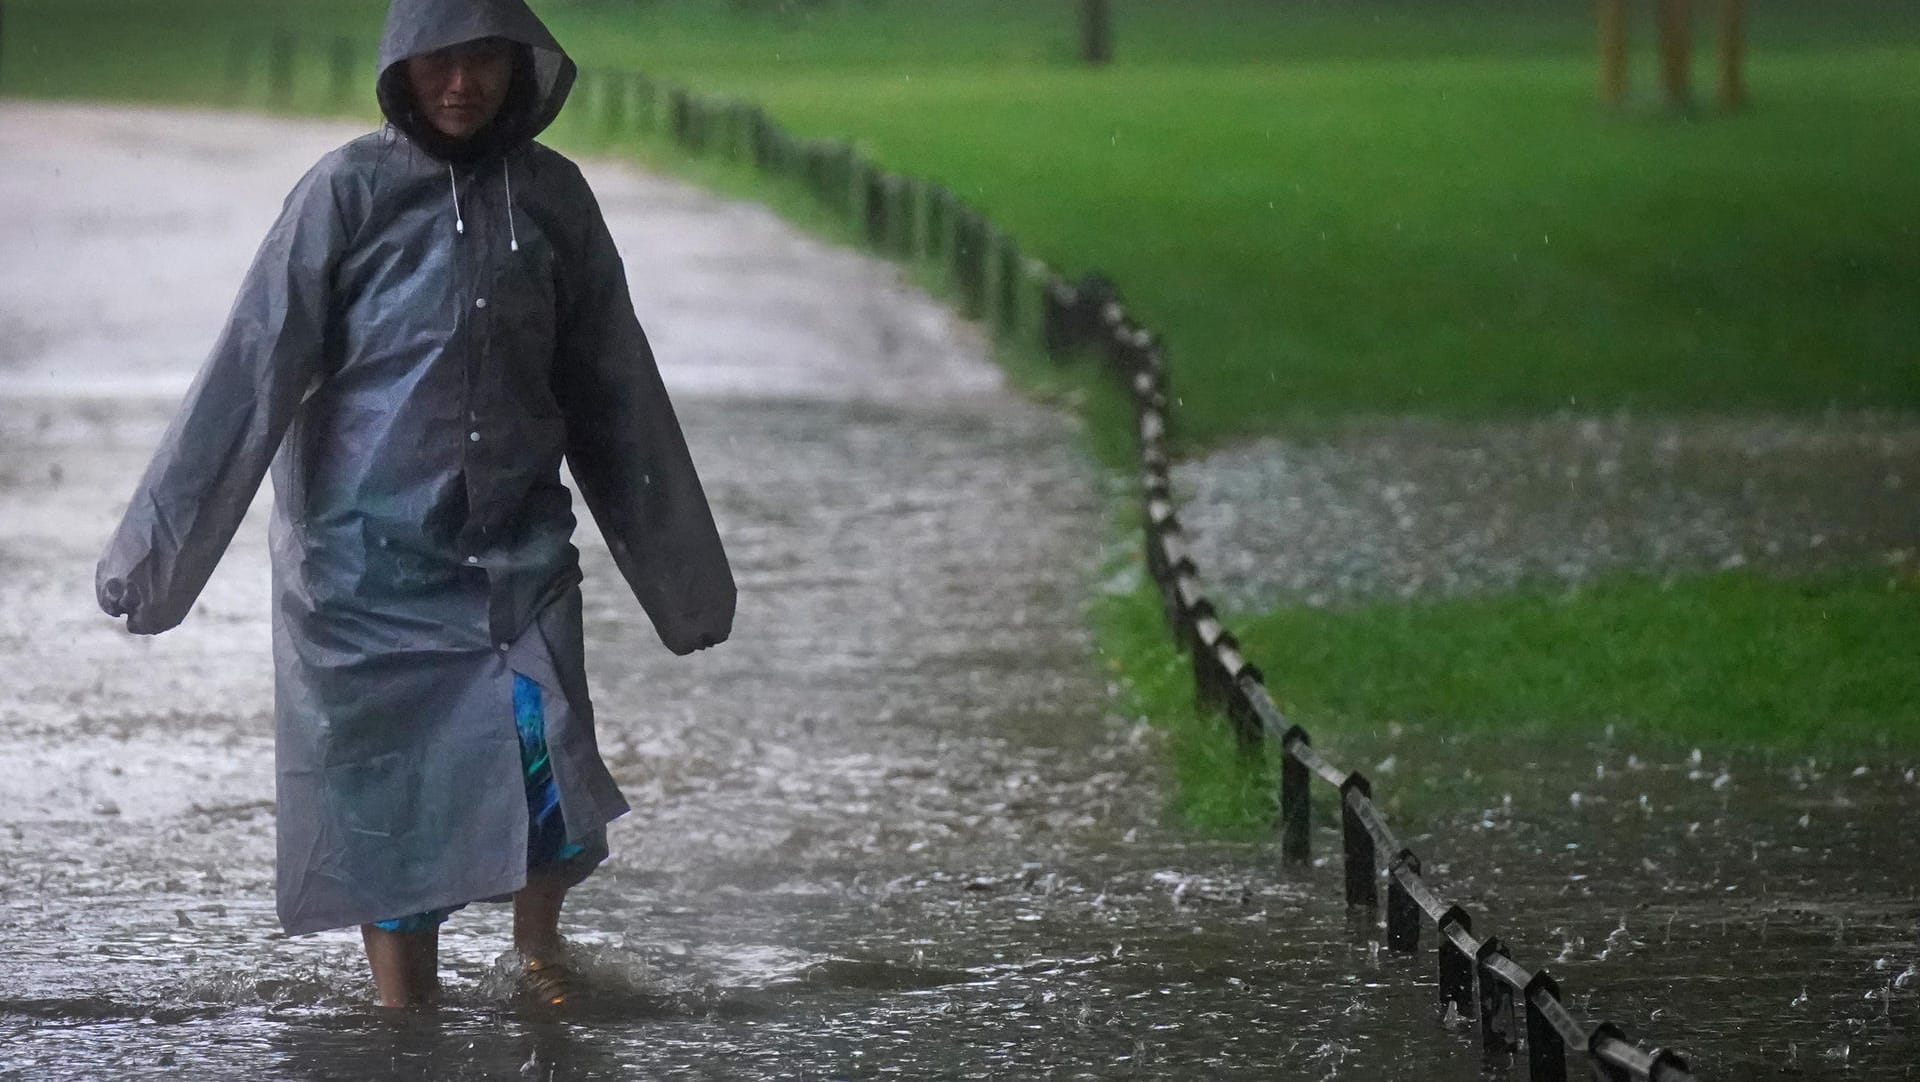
1676, 50
1096, 31
1733, 54
1613, 52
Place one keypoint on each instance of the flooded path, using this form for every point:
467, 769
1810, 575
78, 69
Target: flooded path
893, 827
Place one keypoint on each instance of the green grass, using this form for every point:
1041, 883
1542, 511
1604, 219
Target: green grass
1329, 209
1331, 216
1822, 664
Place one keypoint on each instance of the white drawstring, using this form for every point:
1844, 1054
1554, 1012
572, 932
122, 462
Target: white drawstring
513, 239
459, 223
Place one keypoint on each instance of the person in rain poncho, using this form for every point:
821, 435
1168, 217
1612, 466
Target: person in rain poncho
436, 320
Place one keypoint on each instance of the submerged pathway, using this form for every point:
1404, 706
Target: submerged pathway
892, 827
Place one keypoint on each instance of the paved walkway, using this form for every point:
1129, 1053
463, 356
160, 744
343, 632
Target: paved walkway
892, 827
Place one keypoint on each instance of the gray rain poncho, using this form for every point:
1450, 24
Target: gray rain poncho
426, 332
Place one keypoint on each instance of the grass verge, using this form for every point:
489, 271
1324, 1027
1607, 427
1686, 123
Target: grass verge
1820, 665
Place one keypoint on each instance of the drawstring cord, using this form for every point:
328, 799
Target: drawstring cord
513, 239
459, 223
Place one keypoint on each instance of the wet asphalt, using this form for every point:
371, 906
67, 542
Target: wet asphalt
897, 825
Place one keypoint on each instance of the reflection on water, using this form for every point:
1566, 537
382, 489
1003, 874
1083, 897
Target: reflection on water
892, 828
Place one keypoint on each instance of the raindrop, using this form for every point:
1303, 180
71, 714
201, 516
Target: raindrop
1800, 1000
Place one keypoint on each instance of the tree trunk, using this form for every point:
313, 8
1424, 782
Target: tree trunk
1733, 54
1613, 52
1096, 31
1676, 50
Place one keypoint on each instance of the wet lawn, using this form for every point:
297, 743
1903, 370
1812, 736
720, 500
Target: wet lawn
1343, 210
1362, 208
1821, 665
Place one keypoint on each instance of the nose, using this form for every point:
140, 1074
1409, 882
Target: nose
457, 78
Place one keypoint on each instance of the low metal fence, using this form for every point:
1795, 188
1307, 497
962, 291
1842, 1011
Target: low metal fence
1520, 1013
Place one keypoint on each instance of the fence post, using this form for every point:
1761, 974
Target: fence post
1498, 1036
613, 102
937, 221
700, 123
677, 116
343, 69
1209, 684
1403, 913
1546, 1051
1664, 1060
1361, 868
239, 46
903, 218
1246, 721
1606, 1072
969, 262
646, 107
1296, 802
870, 204
1010, 291
280, 69
1456, 965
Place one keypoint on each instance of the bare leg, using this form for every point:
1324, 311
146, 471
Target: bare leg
536, 935
406, 965
536, 916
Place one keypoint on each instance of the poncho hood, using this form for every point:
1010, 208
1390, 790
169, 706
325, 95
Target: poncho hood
543, 73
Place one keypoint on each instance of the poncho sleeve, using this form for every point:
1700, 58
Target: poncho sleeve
220, 443
627, 453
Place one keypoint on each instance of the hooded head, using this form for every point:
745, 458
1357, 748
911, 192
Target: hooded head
541, 72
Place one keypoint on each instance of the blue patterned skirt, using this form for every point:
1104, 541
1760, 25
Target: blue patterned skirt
547, 843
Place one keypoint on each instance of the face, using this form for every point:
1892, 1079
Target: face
459, 89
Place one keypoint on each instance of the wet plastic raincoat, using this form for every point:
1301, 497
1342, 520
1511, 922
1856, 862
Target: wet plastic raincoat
427, 330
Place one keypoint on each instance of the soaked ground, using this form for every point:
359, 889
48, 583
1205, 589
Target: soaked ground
1431, 509
892, 828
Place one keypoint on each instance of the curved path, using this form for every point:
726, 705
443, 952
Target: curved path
892, 827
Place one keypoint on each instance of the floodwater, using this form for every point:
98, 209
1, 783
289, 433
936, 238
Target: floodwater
895, 827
